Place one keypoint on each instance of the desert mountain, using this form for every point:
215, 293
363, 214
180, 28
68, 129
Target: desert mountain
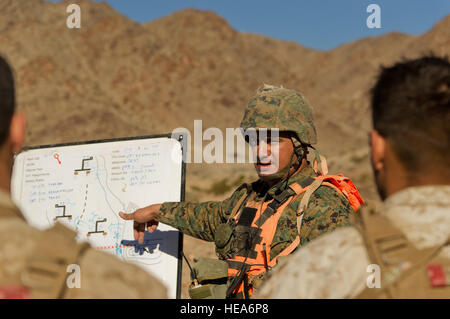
116, 78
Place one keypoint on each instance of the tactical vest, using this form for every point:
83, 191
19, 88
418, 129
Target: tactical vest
406, 272
45, 273
253, 227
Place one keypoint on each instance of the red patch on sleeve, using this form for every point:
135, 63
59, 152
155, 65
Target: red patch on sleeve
14, 292
437, 276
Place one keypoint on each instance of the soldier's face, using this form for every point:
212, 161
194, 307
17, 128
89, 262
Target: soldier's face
272, 154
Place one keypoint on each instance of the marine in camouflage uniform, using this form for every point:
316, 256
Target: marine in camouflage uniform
401, 247
286, 110
34, 263
336, 264
326, 211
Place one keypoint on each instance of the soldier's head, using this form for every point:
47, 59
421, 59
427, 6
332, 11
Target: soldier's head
411, 132
279, 125
12, 127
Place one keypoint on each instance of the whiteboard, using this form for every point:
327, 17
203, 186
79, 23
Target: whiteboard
85, 186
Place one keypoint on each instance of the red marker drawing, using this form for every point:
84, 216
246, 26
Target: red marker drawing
56, 156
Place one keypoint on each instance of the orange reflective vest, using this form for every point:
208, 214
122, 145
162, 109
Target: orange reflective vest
260, 221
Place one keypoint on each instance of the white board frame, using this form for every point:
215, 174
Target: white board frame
179, 137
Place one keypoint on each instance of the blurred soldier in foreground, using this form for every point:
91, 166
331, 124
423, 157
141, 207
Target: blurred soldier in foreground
292, 203
33, 263
400, 250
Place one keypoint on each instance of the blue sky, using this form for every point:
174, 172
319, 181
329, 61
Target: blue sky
319, 24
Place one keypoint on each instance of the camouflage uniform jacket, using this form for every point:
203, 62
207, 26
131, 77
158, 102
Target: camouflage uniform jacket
101, 275
326, 211
335, 265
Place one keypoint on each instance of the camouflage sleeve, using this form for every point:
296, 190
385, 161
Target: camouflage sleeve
198, 219
327, 210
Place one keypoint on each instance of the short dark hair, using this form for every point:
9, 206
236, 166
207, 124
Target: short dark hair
7, 98
410, 107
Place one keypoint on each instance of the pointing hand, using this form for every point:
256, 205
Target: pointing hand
146, 217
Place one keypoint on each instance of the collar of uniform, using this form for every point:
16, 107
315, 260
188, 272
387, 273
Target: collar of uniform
304, 178
6, 202
422, 213
421, 196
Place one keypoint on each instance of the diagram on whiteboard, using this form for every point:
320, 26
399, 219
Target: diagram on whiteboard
86, 186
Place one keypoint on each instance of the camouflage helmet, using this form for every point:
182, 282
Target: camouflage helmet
279, 108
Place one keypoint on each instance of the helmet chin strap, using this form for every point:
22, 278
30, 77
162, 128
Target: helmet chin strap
283, 175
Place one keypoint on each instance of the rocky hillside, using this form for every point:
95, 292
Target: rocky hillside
115, 78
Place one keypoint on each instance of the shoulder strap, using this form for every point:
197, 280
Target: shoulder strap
277, 201
389, 248
305, 200
343, 186
377, 230
45, 272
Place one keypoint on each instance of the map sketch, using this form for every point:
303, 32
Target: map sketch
85, 186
